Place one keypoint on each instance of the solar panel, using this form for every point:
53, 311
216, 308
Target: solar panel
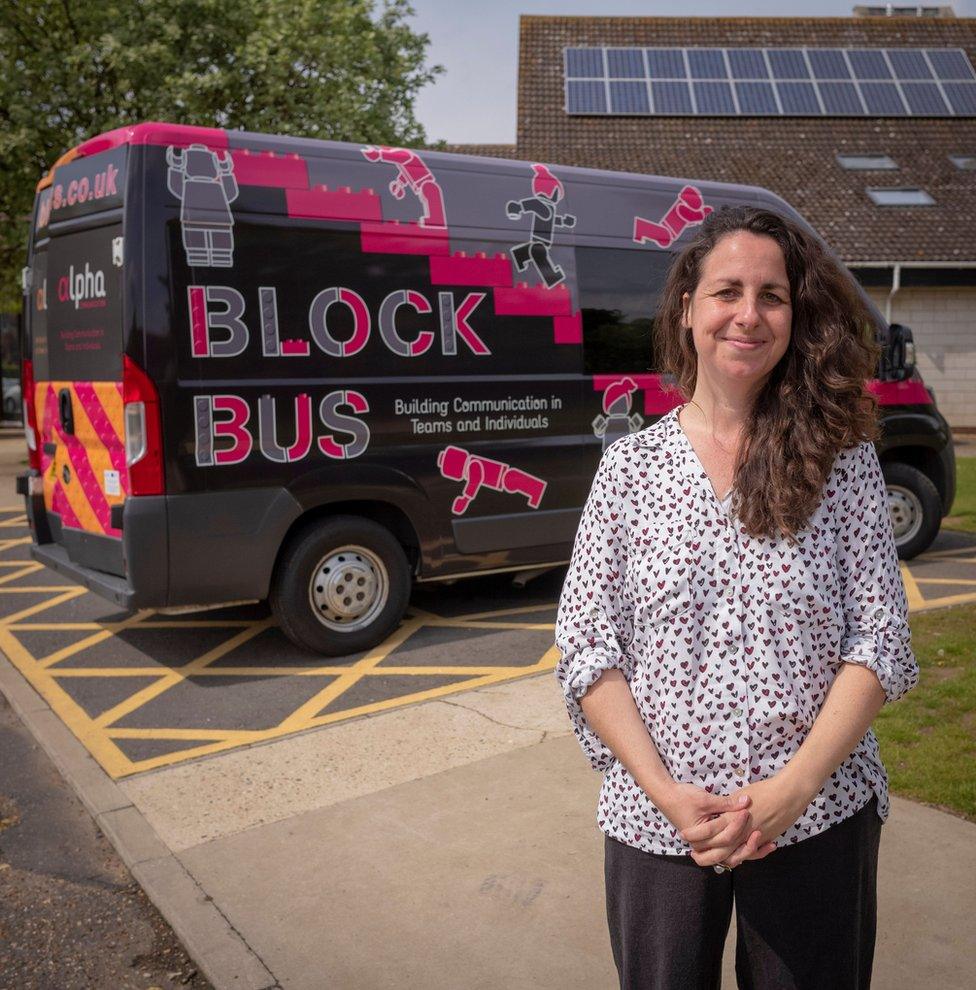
924, 98
909, 63
961, 97
671, 97
584, 63
798, 97
584, 96
706, 63
869, 63
840, 99
756, 98
788, 63
828, 63
714, 97
799, 82
625, 63
950, 64
747, 63
666, 63
629, 97
882, 98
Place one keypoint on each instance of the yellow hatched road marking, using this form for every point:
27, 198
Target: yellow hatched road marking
912, 594
346, 680
20, 520
167, 680
94, 639
962, 599
16, 542
25, 571
66, 708
963, 581
65, 596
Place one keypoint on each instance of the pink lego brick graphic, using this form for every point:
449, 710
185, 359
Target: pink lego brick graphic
294, 348
479, 472
687, 210
459, 269
265, 168
179, 135
658, 399
568, 329
393, 237
533, 300
899, 393
412, 174
322, 203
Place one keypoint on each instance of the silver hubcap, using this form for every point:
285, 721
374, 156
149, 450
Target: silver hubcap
349, 587
906, 513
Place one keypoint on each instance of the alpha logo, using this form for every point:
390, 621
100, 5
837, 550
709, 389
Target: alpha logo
221, 308
414, 175
85, 288
203, 181
479, 472
616, 420
687, 210
547, 191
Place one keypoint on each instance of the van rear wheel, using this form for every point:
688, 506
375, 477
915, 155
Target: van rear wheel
341, 585
915, 507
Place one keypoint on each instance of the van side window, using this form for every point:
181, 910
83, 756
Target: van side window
619, 290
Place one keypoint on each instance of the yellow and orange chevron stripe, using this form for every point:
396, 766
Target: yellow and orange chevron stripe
96, 446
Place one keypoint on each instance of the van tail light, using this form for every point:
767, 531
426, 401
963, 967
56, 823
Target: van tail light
30, 414
143, 431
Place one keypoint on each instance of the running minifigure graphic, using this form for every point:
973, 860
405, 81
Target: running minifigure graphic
203, 181
414, 175
616, 420
547, 191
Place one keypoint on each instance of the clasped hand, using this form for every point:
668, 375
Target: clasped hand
732, 828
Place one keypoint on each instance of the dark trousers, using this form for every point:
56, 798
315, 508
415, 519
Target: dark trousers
805, 915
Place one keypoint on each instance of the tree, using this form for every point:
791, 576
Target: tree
340, 69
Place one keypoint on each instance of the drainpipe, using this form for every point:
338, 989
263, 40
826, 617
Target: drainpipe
895, 286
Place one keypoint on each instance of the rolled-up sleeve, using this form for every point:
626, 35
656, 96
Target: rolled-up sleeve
876, 632
594, 623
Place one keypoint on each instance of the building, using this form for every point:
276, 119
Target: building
867, 125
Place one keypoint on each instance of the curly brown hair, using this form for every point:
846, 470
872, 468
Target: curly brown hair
814, 403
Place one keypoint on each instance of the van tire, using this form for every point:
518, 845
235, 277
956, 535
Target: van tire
378, 569
915, 507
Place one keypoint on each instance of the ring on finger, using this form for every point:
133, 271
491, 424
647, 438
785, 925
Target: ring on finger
722, 868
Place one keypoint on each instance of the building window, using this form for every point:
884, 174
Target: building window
966, 162
900, 197
866, 162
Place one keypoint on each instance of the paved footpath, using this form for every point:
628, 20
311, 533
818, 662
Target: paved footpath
450, 844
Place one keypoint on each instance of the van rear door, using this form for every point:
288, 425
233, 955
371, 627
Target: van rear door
76, 348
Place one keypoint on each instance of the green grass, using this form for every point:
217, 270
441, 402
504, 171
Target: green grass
963, 513
928, 738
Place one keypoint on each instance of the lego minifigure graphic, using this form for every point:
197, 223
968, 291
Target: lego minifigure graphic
547, 191
687, 210
616, 420
412, 173
203, 181
478, 472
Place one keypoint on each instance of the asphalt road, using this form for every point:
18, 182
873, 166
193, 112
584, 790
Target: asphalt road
71, 915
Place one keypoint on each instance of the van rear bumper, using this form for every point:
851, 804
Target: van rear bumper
115, 589
180, 550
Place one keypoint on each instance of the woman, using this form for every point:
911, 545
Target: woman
733, 619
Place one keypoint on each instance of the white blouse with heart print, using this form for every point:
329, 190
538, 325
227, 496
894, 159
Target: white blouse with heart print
729, 642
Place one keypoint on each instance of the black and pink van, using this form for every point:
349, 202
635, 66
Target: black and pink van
263, 367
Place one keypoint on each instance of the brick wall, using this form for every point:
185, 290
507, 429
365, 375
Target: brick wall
944, 324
